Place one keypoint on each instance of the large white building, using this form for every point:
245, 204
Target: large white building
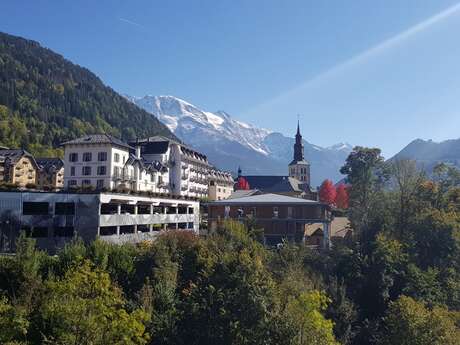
157, 164
104, 162
188, 169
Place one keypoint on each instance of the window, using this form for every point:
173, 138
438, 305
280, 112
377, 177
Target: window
87, 156
116, 171
100, 184
101, 170
275, 212
64, 208
73, 157
72, 171
63, 231
102, 156
289, 211
143, 228
190, 226
109, 208
72, 183
116, 157
35, 208
85, 182
124, 159
107, 230
127, 229
86, 171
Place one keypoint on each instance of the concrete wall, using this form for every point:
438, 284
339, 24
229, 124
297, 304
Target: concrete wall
86, 220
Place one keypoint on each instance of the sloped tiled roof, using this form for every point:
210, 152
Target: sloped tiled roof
243, 193
263, 182
15, 154
266, 199
99, 139
50, 164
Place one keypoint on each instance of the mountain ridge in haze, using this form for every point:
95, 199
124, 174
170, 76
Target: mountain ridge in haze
428, 153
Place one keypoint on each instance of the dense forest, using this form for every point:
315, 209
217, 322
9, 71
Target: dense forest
397, 281
46, 100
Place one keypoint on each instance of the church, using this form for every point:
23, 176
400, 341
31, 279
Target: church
297, 183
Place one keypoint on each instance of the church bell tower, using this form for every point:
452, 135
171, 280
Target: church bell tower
299, 168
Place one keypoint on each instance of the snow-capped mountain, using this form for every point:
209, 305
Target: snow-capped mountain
230, 143
183, 118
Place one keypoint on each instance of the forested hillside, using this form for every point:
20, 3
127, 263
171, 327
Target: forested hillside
45, 100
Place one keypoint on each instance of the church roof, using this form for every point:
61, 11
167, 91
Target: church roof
288, 184
262, 182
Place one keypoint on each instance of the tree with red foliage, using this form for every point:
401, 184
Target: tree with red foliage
242, 184
327, 192
341, 199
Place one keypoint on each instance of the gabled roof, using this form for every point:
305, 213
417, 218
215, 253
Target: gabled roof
14, 155
270, 199
98, 139
50, 164
289, 184
146, 165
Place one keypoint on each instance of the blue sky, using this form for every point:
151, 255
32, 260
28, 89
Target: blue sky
375, 73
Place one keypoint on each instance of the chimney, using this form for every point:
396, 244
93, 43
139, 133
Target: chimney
138, 151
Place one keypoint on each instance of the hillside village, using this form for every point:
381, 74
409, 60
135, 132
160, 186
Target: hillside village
132, 191
149, 221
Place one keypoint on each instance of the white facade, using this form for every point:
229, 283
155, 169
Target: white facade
96, 165
220, 185
187, 169
102, 162
158, 165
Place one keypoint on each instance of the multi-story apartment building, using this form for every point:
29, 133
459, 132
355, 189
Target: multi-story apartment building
54, 218
18, 167
220, 185
187, 169
156, 164
96, 160
51, 173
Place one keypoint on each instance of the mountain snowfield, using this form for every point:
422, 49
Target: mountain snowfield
230, 143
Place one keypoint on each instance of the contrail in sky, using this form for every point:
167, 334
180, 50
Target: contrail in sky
375, 50
131, 22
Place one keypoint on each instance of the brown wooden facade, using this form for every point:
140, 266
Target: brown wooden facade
281, 218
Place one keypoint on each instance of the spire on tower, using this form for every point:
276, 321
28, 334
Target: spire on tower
298, 146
